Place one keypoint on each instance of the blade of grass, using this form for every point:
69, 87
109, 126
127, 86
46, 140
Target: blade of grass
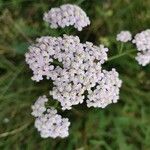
12, 80
15, 131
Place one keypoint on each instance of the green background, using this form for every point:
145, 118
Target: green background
121, 126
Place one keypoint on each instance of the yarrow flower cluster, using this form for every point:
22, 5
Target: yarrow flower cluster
67, 15
48, 122
75, 69
142, 41
124, 36
106, 91
81, 67
143, 58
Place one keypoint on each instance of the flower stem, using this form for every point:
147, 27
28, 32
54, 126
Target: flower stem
120, 55
121, 48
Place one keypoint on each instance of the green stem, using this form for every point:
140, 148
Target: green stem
120, 55
121, 48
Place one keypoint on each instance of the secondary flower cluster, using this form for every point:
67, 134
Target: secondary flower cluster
106, 90
124, 36
142, 41
67, 15
47, 121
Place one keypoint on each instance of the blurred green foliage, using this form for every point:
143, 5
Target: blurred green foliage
121, 126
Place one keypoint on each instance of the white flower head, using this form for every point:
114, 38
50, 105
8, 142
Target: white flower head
67, 15
106, 91
48, 122
142, 41
124, 36
39, 57
81, 67
143, 58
